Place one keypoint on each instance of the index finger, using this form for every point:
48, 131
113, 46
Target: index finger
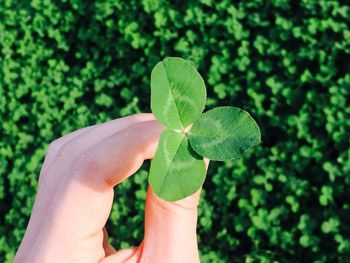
83, 200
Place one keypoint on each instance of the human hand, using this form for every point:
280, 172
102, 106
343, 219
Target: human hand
75, 196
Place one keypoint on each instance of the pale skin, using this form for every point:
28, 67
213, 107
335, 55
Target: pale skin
75, 196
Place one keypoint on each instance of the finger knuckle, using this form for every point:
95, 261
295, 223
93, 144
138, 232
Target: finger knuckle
42, 179
87, 166
54, 146
66, 153
141, 115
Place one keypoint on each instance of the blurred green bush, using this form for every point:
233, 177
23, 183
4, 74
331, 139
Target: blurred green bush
71, 63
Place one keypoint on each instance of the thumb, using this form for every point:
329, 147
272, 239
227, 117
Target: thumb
170, 229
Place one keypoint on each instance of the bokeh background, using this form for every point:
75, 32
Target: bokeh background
67, 64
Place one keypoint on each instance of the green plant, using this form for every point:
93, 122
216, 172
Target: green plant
68, 64
177, 100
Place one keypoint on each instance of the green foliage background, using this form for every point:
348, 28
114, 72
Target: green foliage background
72, 63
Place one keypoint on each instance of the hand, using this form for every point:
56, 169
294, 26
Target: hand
75, 197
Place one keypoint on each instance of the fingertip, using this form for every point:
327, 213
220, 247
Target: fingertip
146, 136
207, 162
147, 128
144, 116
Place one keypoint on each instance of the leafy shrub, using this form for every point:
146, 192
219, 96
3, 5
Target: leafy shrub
68, 64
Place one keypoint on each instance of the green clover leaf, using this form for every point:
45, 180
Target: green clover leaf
178, 171
178, 98
178, 93
224, 133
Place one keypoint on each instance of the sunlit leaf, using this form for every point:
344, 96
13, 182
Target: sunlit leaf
224, 133
178, 93
176, 171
